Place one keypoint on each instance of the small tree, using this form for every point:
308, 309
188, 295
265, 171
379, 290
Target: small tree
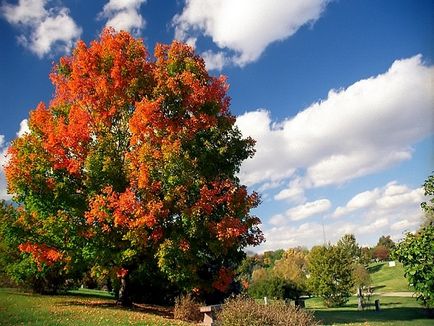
361, 276
349, 244
416, 252
330, 269
365, 255
381, 252
293, 268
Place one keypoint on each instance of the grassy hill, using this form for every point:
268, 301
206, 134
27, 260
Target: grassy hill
388, 279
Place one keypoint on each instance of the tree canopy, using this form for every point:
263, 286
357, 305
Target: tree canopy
331, 274
416, 252
133, 165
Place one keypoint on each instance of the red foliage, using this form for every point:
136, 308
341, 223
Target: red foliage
223, 280
121, 272
41, 253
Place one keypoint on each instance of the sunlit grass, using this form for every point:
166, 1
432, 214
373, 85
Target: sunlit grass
388, 279
20, 308
397, 311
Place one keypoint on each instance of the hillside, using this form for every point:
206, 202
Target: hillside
388, 279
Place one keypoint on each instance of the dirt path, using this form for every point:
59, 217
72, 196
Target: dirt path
397, 294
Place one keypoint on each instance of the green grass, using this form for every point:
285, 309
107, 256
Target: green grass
80, 308
388, 279
397, 311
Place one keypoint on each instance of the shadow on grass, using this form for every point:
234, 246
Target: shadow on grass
368, 306
343, 316
161, 311
375, 268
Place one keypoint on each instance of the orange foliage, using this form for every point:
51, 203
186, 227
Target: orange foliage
112, 209
41, 253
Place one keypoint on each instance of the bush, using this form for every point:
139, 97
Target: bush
187, 308
247, 312
274, 287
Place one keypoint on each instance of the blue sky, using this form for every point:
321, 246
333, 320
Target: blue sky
338, 95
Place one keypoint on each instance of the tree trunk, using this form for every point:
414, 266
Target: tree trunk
124, 298
359, 299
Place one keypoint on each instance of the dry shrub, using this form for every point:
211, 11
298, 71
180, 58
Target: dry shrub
247, 312
187, 308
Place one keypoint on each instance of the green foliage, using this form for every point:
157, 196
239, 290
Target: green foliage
248, 312
330, 269
285, 278
386, 241
270, 257
365, 255
8, 242
349, 245
361, 276
428, 207
274, 287
416, 254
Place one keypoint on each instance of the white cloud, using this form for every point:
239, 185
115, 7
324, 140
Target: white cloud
393, 198
404, 225
376, 225
124, 15
24, 128
308, 209
214, 61
245, 27
3, 160
294, 193
359, 201
45, 30
283, 237
360, 130
389, 210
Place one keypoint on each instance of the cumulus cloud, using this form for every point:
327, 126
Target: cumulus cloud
364, 128
44, 30
243, 29
294, 193
124, 15
3, 160
391, 199
282, 237
24, 128
215, 61
389, 210
302, 211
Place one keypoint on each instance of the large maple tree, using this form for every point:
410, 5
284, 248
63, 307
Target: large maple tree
134, 162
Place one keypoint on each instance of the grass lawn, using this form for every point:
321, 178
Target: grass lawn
388, 279
83, 307
394, 311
